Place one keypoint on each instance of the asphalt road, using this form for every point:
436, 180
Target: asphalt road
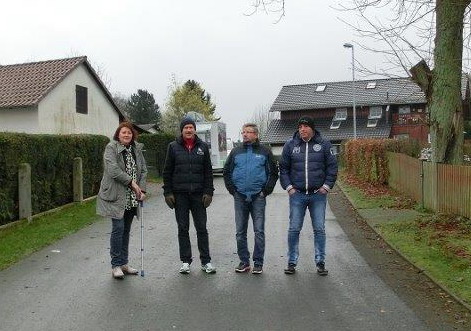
68, 285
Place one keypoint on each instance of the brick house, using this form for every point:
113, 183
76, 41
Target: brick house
385, 108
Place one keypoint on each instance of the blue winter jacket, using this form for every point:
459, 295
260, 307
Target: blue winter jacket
308, 166
250, 169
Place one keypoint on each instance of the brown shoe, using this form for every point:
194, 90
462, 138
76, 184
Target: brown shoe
117, 273
129, 270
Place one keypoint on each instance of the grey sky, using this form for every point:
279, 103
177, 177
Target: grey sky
243, 61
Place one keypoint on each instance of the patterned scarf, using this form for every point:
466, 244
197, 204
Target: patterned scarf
131, 170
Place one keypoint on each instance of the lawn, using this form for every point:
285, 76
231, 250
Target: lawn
436, 243
22, 238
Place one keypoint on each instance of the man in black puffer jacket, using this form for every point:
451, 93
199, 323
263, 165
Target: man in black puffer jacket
308, 171
188, 186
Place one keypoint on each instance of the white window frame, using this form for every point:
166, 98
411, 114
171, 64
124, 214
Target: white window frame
335, 125
372, 123
321, 88
376, 112
371, 85
340, 114
403, 109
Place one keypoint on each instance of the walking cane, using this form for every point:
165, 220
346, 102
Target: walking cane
141, 216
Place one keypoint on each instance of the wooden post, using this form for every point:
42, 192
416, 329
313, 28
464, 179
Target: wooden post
24, 191
78, 180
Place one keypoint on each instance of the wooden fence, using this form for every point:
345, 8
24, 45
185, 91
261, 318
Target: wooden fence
439, 187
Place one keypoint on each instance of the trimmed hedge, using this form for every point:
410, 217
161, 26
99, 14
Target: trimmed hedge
51, 159
367, 159
155, 150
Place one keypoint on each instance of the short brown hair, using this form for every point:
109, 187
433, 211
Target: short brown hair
128, 125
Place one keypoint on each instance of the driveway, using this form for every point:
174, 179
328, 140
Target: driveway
68, 285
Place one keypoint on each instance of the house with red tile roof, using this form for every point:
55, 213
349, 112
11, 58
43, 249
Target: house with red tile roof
63, 96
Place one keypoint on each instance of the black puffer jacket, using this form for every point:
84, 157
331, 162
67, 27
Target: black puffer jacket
188, 172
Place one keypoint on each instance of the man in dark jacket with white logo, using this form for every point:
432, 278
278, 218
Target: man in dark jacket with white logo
308, 171
250, 174
188, 186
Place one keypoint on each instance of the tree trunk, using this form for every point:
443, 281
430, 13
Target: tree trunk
446, 109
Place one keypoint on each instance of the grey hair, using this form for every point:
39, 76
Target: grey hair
251, 125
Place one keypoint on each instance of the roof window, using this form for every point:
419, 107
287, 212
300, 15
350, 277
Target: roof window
335, 125
371, 85
372, 123
320, 88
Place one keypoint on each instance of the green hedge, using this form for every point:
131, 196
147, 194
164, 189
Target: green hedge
155, 149
51, 159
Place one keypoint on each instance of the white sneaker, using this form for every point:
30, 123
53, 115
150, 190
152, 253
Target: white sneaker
117, 273
185, 268
129, 270
208, 268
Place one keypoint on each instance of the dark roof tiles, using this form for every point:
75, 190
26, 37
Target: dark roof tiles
279, 131
339, 94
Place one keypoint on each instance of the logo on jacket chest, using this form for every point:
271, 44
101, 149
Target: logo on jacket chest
296, 150
199, 151
317, 147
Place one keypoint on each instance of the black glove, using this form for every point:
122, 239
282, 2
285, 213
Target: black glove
170, 201
207, 199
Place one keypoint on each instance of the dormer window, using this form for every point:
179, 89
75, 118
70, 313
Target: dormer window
371, 85
340, 114
320, 88
375, 112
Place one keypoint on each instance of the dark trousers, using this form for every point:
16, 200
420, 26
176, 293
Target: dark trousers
184, 204
119, 240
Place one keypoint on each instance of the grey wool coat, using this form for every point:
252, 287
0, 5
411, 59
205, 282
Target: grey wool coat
111, 199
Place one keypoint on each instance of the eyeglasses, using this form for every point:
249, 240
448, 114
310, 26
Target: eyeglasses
247, 132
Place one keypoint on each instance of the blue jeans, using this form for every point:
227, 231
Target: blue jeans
119, 240
256, 209
298, 202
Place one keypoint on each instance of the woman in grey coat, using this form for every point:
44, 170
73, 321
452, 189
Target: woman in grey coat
122, 187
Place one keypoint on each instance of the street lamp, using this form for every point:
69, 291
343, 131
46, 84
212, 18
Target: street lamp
347, 45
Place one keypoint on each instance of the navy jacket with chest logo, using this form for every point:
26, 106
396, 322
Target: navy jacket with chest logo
308, 166
188, 171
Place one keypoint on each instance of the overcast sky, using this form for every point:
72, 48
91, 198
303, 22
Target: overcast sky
242, 61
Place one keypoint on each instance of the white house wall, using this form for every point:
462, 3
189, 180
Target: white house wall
19, 120
57, 111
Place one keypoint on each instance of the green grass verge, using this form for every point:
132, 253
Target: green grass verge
23, 238
438, 244
432, 252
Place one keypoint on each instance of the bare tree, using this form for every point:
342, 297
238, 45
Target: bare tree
418, 35
262, 118
415, 35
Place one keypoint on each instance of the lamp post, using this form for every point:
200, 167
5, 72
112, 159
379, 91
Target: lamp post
347, 45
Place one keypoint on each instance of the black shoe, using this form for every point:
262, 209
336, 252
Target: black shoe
257, 269
242, 267
321, 270
291, 269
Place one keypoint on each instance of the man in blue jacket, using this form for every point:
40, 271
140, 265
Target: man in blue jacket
308, 171
250, 174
